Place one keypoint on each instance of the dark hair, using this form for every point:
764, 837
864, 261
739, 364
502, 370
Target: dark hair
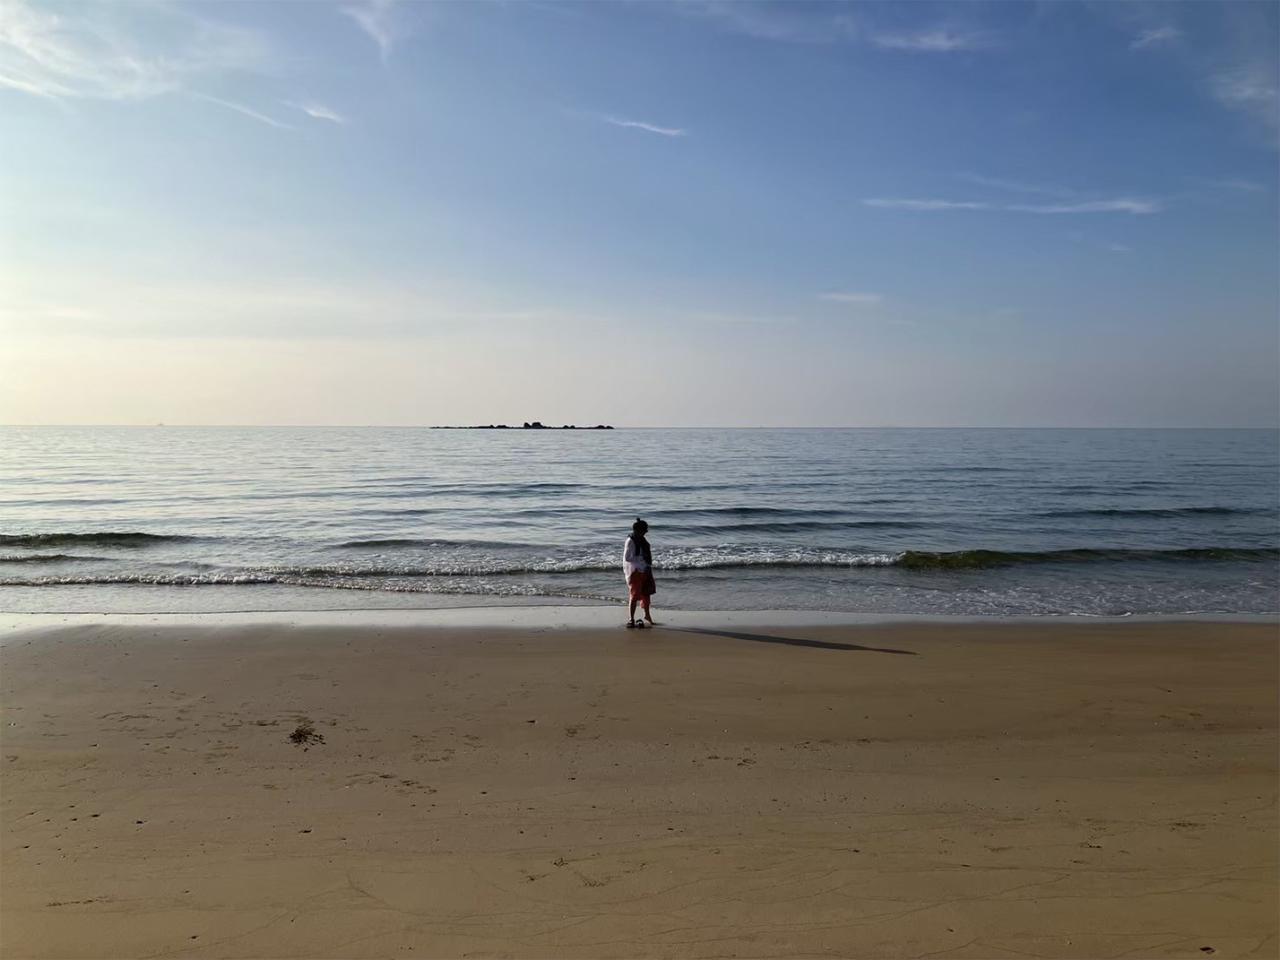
637, 534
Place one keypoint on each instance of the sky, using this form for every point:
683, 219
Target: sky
645, 214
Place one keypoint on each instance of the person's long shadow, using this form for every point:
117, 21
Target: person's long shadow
792, 641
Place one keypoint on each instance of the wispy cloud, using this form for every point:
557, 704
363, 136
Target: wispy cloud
788, 21
847, 297
242, 109
317, 110
783, 22
93, 51
647, 127
1155, 36
1235, 183
1251, 89
895, 203
1070, 200
1232, 55
1121, 205
936, 40
377, 18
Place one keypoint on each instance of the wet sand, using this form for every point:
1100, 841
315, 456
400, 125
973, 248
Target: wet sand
962, 790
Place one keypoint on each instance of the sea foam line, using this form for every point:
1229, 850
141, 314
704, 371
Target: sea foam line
339, 575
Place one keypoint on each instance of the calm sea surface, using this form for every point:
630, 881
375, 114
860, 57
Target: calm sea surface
960, 522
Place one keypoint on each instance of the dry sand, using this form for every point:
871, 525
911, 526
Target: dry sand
948, 791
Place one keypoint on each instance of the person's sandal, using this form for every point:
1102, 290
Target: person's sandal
631, 624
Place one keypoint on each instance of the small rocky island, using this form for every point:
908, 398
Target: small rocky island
528, 425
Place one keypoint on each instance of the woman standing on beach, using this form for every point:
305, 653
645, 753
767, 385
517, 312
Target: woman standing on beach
637, 568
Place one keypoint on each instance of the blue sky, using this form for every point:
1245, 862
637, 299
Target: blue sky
688, 214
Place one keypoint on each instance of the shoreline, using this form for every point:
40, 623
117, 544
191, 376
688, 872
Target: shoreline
582, 616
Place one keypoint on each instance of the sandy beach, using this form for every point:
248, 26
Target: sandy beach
963, 790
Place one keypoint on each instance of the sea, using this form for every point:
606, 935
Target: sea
947, 522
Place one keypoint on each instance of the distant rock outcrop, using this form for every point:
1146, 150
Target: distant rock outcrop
528, 425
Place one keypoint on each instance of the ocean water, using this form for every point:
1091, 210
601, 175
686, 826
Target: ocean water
950, 522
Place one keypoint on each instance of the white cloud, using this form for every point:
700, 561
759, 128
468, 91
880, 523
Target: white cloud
891, 203
784, 22
842, 297
793, 22
937, 40
1236, 183
1155, 36
1121, 205
318, 111
649, 127
378, 19
1245, 86
1071, 201
1250, 89
95, 51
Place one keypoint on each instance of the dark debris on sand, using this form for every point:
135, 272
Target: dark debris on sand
305, 734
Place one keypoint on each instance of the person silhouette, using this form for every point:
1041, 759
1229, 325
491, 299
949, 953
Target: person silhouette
637, 570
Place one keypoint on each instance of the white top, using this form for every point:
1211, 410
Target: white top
632, 559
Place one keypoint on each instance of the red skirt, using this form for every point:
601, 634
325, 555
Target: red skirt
641, 585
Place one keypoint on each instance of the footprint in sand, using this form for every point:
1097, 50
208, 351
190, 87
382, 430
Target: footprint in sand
446, 754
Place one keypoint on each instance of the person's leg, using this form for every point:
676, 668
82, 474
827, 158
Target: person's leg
647, 615
631, 610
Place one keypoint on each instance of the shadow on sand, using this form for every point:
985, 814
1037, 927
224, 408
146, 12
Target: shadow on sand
792, 641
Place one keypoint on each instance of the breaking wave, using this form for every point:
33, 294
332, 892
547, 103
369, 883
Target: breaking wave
472, 587
110, 538
361, 576
978, 559
1150, 512
45, 558
419, 542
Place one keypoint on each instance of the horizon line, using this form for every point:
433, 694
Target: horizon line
590, 429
